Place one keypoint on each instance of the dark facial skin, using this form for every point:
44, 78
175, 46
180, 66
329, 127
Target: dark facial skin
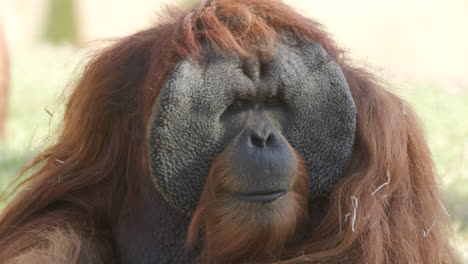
262, 162
256, 113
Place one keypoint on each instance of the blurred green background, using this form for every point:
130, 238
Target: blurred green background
42, 72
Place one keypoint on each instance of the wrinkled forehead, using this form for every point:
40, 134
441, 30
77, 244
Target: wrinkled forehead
283, 73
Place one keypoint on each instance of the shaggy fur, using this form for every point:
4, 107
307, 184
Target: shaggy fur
249, 238
97, 205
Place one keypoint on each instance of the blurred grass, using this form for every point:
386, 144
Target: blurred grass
39, 76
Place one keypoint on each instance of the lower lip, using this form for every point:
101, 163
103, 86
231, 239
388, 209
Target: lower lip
260, 197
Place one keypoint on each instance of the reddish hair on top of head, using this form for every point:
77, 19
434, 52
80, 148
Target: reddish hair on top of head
102, 151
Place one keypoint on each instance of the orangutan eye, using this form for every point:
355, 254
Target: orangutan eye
272, 100
238, 104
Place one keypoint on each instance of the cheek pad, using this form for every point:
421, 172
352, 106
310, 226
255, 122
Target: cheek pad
186, 133
323, 123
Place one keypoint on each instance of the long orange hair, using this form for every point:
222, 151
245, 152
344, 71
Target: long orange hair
386, 208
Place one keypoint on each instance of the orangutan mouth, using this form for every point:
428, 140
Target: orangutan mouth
263, 197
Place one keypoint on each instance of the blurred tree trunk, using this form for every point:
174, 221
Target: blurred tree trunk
189, 3
61, 22
4, 77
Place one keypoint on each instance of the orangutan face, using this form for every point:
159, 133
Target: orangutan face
261, 116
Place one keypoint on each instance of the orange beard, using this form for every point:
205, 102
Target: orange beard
237, 231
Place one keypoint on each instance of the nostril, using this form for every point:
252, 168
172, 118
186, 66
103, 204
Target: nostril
270, 139
262, 140
257, 140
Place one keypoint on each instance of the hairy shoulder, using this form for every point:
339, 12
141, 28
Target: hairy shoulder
64, 246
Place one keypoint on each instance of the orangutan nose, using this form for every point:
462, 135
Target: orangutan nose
264, 164
261, 138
